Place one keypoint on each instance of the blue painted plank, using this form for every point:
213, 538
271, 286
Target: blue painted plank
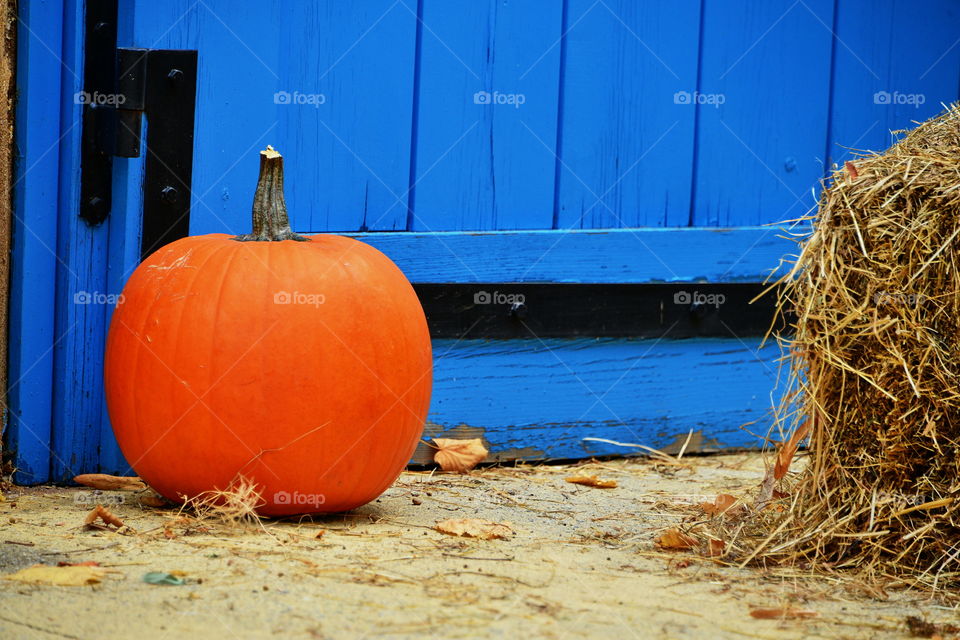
329, 83
627, 129
763, 115
892, 70
487, 119
539, 399
351, 155
123, 256
34, 261
81, 288
748, 254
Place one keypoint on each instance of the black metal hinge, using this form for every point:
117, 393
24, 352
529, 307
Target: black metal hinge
120, 86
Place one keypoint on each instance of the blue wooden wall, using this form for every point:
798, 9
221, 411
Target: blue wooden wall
635, 141
635, 114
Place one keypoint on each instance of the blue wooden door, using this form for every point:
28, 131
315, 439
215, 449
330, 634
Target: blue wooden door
488, 142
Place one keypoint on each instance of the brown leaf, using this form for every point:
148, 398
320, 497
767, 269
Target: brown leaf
110, 483
674, 539
153, 501
721, 504
921, 628
787, 451
766, 488
459, 455
715, 547
783, 613
76, 576
102, 513
593, 481
88, 563
474, 528
851, 170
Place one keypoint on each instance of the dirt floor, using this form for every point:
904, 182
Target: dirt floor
581, 563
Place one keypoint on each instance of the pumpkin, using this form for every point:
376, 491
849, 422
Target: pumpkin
301, 364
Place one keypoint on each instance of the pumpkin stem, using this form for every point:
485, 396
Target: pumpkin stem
270, 220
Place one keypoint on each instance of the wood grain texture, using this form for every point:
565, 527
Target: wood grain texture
627, 134
123, 256
760, 152
890, 70
334, 94
665, 255
542, 398
482, 163
81, 309
33, 276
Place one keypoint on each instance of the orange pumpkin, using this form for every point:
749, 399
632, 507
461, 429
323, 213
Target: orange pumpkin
300, 363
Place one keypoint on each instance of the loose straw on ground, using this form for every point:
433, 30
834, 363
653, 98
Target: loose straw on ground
875, 354
876, 294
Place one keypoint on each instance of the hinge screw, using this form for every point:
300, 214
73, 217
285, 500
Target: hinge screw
699, 310
175, 75
518, 310
169, 195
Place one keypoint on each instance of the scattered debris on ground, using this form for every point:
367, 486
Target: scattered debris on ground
562, 560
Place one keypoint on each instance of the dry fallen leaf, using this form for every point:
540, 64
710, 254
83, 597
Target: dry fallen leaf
102, 513
110, 483
783, 613
781, 465
474, 528
787, 451
851, 170
593, 481
72, 576
675, 539
155, 501
715, 547
88, 563
720, 505
459, 455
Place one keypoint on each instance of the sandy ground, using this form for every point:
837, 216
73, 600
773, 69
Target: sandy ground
581, 564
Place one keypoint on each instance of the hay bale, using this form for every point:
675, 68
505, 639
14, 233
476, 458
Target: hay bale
876, 297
